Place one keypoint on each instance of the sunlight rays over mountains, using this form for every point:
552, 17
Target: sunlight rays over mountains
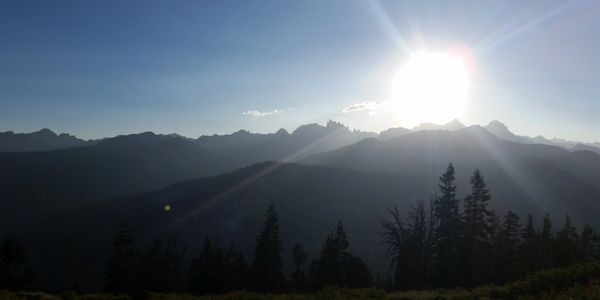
299, 149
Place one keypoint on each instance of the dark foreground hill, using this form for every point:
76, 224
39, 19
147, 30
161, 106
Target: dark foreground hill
70, 248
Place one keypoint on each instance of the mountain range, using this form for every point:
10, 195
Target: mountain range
311, 137
69, 201
43, 140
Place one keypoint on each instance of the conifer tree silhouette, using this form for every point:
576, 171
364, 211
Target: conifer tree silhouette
122, 274
266, 268
448, 231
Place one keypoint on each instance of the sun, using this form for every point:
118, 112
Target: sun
431, 87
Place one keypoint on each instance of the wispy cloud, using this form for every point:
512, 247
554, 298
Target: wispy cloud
259, 114
366, 106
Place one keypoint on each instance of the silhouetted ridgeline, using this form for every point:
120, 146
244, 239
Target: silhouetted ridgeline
43, 140
449, 242
529, 177
42, 182
65, 204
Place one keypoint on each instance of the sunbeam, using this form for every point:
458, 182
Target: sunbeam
380, 16
490, 45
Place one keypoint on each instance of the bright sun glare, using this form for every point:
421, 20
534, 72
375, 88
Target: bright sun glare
431, 87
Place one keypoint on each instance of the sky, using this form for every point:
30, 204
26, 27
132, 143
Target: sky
101, 68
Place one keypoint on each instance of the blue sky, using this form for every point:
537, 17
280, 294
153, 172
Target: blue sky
100, 68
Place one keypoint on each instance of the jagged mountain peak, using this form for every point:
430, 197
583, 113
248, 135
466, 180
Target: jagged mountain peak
317, 129
242, 132
336, 125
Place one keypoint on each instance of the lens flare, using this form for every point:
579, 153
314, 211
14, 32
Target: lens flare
432, 87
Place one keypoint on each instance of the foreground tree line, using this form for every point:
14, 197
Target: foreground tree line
438, 245
446, 242
216, 270
15, 273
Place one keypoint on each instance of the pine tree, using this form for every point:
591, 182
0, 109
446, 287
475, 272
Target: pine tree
567, 240
358, 274
236, 270
337, 267
476, 248
506, 247
448, 231
172, 264
330, 268
494, 237
299, 258
151, 268
266, 267
122, 268
217, 271
589, 244
546, 244
162, 266
203, 278
528, 256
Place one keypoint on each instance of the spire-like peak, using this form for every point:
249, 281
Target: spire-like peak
335, 125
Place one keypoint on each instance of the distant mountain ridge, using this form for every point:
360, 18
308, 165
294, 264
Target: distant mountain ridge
311, 138
42, 140
453, 125
92, 171
499, 129
399, 131
584, 147
41, 182
249, 147
36, 181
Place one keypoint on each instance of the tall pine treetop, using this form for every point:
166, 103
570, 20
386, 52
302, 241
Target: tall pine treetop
447, 185
267, 264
